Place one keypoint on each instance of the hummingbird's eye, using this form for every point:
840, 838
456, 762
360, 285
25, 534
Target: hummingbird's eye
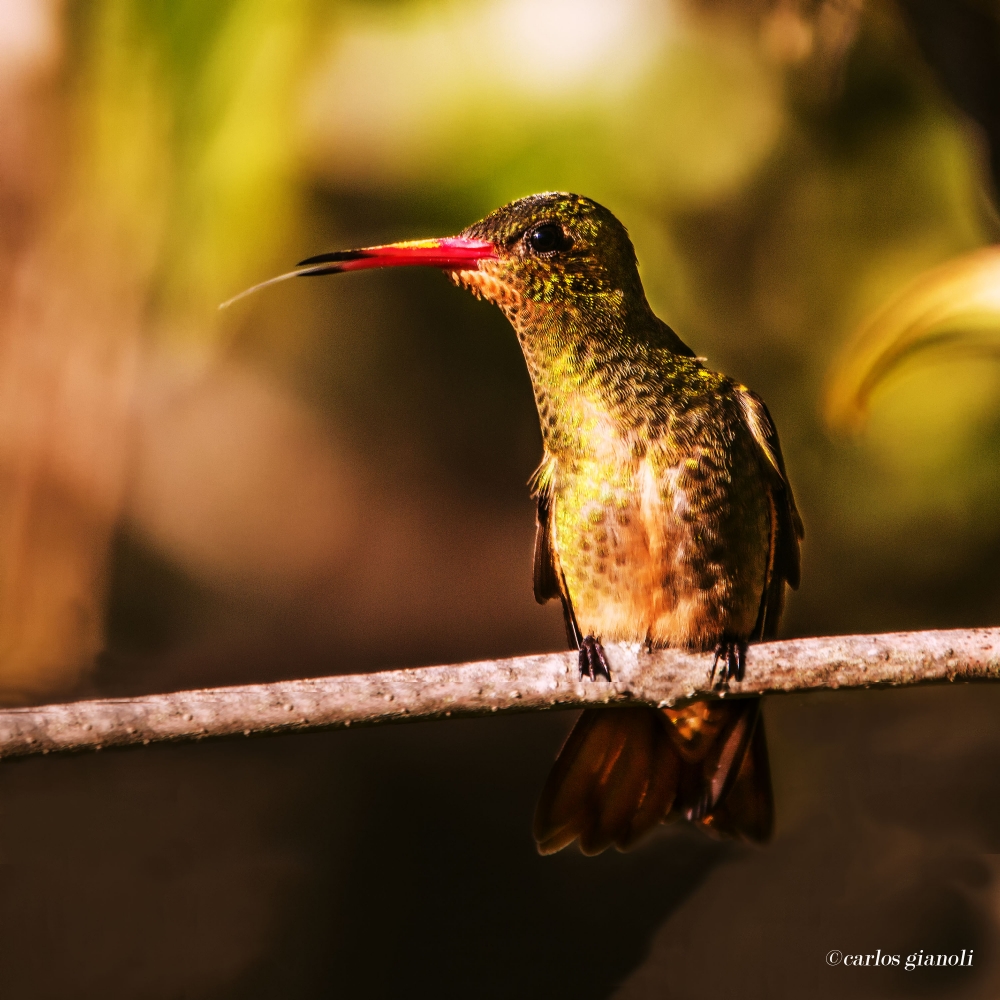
548, 237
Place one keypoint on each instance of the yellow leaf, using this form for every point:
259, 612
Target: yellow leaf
956, 304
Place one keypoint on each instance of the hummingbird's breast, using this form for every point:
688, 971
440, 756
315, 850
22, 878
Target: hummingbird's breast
660, 519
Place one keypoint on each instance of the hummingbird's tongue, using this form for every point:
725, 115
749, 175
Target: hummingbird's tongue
451, 253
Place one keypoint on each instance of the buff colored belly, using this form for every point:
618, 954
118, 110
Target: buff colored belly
647, 558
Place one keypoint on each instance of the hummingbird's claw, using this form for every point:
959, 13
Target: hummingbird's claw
733, 654
593, 659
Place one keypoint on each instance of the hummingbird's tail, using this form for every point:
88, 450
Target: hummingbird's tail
623, 770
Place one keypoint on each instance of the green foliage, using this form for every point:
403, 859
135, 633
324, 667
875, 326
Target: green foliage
182, 141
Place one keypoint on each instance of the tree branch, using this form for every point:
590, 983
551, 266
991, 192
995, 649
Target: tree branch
522, 684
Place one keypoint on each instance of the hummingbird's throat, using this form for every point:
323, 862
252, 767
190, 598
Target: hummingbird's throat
486, 284
571, 412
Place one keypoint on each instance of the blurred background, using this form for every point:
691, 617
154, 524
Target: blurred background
330, 477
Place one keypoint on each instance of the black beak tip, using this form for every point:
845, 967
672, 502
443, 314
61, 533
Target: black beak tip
333, 258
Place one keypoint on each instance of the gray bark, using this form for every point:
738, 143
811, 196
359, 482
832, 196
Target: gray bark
521, 684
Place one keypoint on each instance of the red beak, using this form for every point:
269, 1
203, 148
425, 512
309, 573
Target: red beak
451, 253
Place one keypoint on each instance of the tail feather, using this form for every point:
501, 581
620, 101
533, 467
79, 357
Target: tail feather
723, 750
747, 810
622, 786
565, 809
622, 771
661, 790
603, 785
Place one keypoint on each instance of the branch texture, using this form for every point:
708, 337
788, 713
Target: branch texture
522, 684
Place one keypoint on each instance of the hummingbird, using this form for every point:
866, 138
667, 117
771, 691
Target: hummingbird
664, 515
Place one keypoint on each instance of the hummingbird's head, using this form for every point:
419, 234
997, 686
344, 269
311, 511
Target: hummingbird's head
553, 248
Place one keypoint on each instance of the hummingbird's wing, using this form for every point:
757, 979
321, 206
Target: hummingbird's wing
547, 576
786, 525
672, 341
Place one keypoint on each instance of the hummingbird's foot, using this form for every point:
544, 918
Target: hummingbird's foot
593, 659
733, 654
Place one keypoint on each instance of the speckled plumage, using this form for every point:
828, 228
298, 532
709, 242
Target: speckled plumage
664, 513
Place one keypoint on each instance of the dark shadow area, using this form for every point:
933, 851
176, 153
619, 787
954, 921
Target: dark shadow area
371, 861
889, 844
